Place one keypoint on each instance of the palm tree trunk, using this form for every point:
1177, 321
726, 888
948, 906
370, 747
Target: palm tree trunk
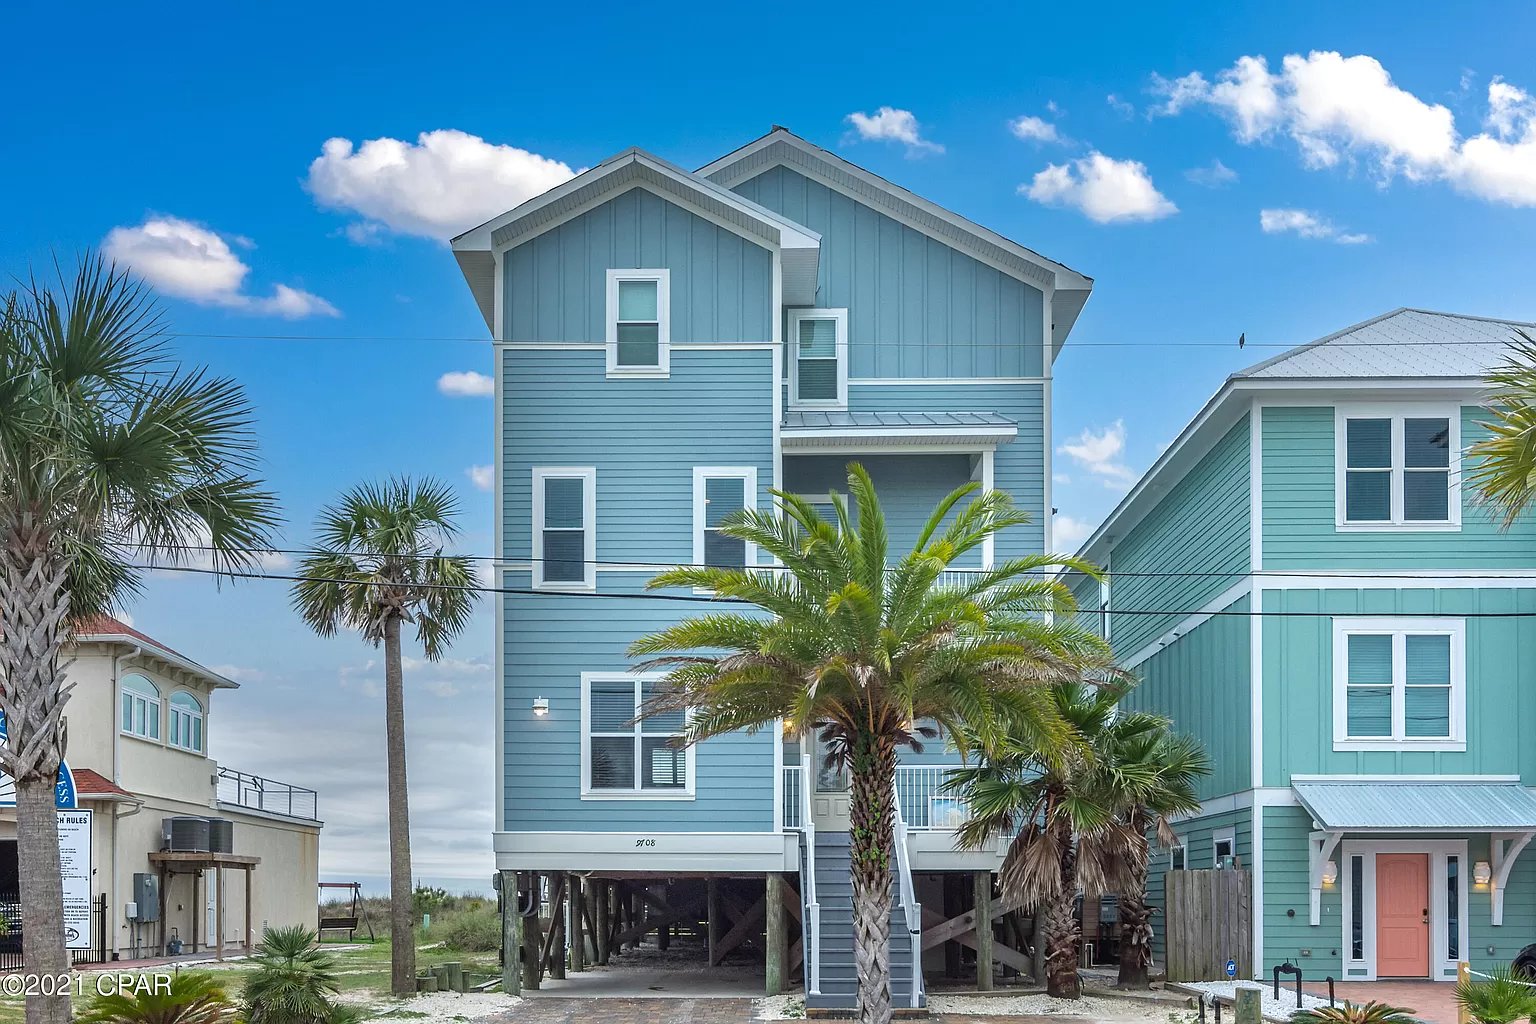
1135, 915
871, 833
34, 614
1063, 933
402, 954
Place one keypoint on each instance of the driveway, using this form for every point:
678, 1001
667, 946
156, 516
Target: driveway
548, 1009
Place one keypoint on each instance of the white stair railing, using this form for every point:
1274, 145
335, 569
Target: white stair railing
808, 880
911, 910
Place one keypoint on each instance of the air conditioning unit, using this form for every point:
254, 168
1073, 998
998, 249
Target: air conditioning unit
221, 835
184, 834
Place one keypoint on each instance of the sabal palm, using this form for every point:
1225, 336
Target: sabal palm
292, 981
113, 456
378, 563
1061, 811
857, 653
1504, 462
187, 997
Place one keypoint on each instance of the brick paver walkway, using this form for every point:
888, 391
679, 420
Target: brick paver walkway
557, 1010
1433, 1002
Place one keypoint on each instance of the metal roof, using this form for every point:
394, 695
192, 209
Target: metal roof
1389, 806
839, 430
1404, 343
838, 419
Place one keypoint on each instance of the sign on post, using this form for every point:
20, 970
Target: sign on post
75, 869
1231, 968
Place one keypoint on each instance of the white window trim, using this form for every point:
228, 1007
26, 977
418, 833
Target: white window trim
748, 476
1441, 967
587, 792
663, 279
587, 474
200, 714
1229, 835
1180, 846
1397, 412
1399, 627
840, 347
152, 705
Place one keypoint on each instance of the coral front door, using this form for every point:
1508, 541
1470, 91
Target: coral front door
1402, 915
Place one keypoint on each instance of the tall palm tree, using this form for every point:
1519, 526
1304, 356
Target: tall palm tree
857, 652
1505, 471
1062, 813
378, 564
112, 456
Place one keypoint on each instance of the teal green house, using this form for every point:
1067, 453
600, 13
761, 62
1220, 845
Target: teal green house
1305, 582
670, 345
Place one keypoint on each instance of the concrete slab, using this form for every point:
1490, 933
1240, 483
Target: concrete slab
647, 973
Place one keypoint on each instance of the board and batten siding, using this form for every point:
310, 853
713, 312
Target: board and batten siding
644, 436
1286, 902
555, 284
916, 306
1300, 525
1201, 682
550, 639
1297, 652
1202, 528
1199, 835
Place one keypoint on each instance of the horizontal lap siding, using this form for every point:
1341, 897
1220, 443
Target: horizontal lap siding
1201, 682
643, 436
1300, 530
1298, 682
549, 641
555, 285
1200, 852
1201, 528
916, 307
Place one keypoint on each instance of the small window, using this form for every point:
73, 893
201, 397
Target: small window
1398, 469
1452, 907
819, 360
141, 708
628, 758
186, 731
564, 528
1357, 907
719, 491
1223, 847
1178, 855
1399, 682
638, 323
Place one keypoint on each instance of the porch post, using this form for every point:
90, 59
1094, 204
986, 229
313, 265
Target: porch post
511, 936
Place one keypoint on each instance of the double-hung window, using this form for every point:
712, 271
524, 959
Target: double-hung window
186, 722
141, 708
719, 491
1399, 683
565, 527
639, 323
818, 362
626, 758
1398, 467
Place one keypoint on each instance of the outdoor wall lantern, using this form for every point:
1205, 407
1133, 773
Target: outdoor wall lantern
541, 706
1330, 872
1482, 872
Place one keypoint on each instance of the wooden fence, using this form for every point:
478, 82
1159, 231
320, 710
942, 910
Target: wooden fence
1209, 921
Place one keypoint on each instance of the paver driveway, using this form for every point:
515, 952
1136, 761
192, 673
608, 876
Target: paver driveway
612, 1010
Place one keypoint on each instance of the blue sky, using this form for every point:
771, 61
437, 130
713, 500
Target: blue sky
1393, 150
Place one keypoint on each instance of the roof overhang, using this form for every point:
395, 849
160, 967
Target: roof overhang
149, 648
1066, 289
1419, 806
808, 432
798, 247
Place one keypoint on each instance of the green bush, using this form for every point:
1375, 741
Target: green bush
1501, 998
473, 931
1355, 1013
192, 997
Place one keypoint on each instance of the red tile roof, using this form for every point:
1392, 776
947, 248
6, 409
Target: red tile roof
89, 783
106, 625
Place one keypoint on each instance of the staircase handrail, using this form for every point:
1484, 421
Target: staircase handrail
808, 878
910, 908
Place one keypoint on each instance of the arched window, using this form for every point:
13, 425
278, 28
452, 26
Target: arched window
141, 708
186, 722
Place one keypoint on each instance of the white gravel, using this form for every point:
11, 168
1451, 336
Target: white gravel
435, 1007
1103, 1008
1274, 1009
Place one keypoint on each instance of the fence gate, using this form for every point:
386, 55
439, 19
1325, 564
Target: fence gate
1209, 922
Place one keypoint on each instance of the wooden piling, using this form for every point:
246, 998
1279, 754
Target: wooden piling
600, 897
511, 936
981, 881
712, 915
775, 935
533, 937
577, 914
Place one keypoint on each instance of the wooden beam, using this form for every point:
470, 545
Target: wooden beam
600, 925
578, 932
554, 942
533, 938
712, 911
1001, 953
635, 931
745, 926
982, 880
937, 930
511, 936
773, 904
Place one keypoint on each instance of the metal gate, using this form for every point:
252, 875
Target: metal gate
10, 934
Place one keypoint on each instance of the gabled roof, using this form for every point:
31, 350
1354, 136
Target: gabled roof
104, 629
799, 247
1402, 343
92, 785
781, 146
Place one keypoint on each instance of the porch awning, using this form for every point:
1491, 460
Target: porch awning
1386, 806
837, 429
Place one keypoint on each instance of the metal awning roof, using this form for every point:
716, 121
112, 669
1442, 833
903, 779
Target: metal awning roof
837, 428
1387, 806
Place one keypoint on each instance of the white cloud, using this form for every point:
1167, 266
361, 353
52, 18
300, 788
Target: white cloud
1067, 533
1348, 111
192, 262
239, 673
1120, 106
889, 124
1061, 478
1033, 129
447, 666
1102, 188
466, 384
483, 477
1213, 175
1101, 453
193, 553
1307, 224
446, 182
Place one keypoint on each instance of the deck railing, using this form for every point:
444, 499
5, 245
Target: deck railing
919, 794
792, 797
948, 578
262, 794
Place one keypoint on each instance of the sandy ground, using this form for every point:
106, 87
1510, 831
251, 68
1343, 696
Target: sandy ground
433, 1007
1102, 1008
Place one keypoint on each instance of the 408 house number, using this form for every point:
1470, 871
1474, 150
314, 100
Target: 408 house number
639, 843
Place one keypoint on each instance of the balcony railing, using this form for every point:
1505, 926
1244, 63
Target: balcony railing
919, 793
948, 578
262, 794
792, 801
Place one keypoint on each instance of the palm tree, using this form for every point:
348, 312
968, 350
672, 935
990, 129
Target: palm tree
378, 564
187, 997
1505, 473
1062, 812
293, 981
113, 456
857, 652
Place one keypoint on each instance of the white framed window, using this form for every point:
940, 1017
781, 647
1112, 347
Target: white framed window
1399, 683
626, 759
141, 708
1397, 467
1178, 854
639, 323
186, 722
818, 358
1223, 846
565, 527
717, 492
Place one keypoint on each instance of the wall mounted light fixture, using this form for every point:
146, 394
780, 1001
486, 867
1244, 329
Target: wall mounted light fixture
1482, 872
1330, 872
541, 706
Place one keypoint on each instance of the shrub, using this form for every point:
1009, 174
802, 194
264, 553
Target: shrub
1500, 999
293, 981
1355, 1013
473, 931
193, 997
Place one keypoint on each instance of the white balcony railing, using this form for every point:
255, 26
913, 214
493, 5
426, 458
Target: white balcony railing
262, 794
792, 797
948, 578
919, 793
